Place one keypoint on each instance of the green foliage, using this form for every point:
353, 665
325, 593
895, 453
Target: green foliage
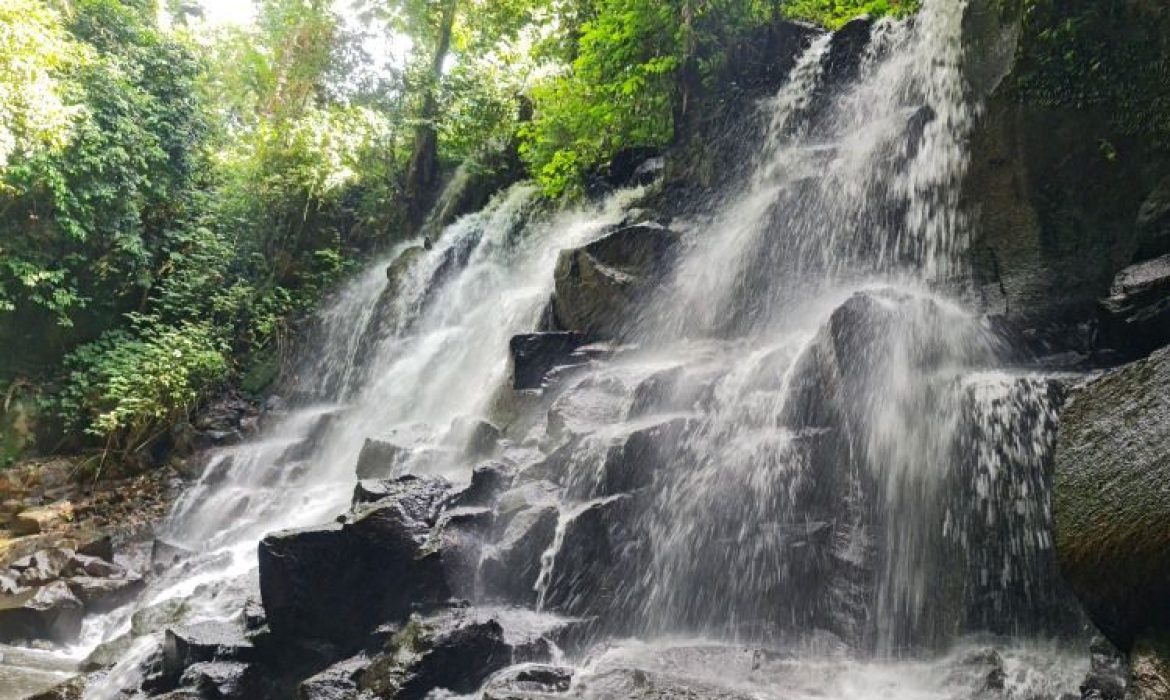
129, 385
834, 13
1111, 57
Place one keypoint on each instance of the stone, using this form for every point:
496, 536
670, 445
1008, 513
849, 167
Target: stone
846, 48
1135, 319
528, 681
382, 457
185, 646
51, 613
72, 689
487, 482
164, 555
510, 569
338, 682
338, 581
37, 520
447, 653
101, 595
477, 438
223, 680
1109, 506
632, 463
535, 354
101, 547
598, 285
1107, 677
43, 566
598, 561
83, 565
1149, 671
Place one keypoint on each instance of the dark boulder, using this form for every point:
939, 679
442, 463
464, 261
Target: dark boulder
1109, 503
384, 456
846, 49
101, 547
488, 481
598, 562
186, 646
82, 565
632, 463
51, 613
223, 680
1135, 319
42, 567
476, 438
164, 555
598, 285
509, 570
450, 652
1153, 222
535, 354
339, 581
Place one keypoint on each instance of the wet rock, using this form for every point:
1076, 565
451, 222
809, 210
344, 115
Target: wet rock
487, 482
657, 392
223, 680
535, 354
338, 682
339, 581
1112, 547
458, 539
101, 595
1106, 679
650, 685
155, 618
107, 654
846, 48
1135, 319
42, 567
419, 497
378, 458
598, 284
449, 653
598, 561
51, 613
164, 555
186, 646
396, 272
511, 568
383, 456
528, 681
477, 438
632, 463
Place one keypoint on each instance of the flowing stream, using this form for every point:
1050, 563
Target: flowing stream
848, 469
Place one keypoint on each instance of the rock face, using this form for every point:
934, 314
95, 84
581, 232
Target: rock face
1110, 508
597, 285
337, 581
1135, 318
51, 613
534, 354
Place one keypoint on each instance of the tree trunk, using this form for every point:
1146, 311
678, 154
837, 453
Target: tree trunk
422, 175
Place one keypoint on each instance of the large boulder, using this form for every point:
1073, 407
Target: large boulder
1110, 505
51, 613
1135, 318
100, 595
450, 653
509, 569
598, 284
337, 582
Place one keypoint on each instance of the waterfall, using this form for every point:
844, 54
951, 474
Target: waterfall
831, 455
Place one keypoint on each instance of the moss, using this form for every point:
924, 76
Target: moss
835, 13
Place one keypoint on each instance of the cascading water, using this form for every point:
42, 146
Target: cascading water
802, 472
